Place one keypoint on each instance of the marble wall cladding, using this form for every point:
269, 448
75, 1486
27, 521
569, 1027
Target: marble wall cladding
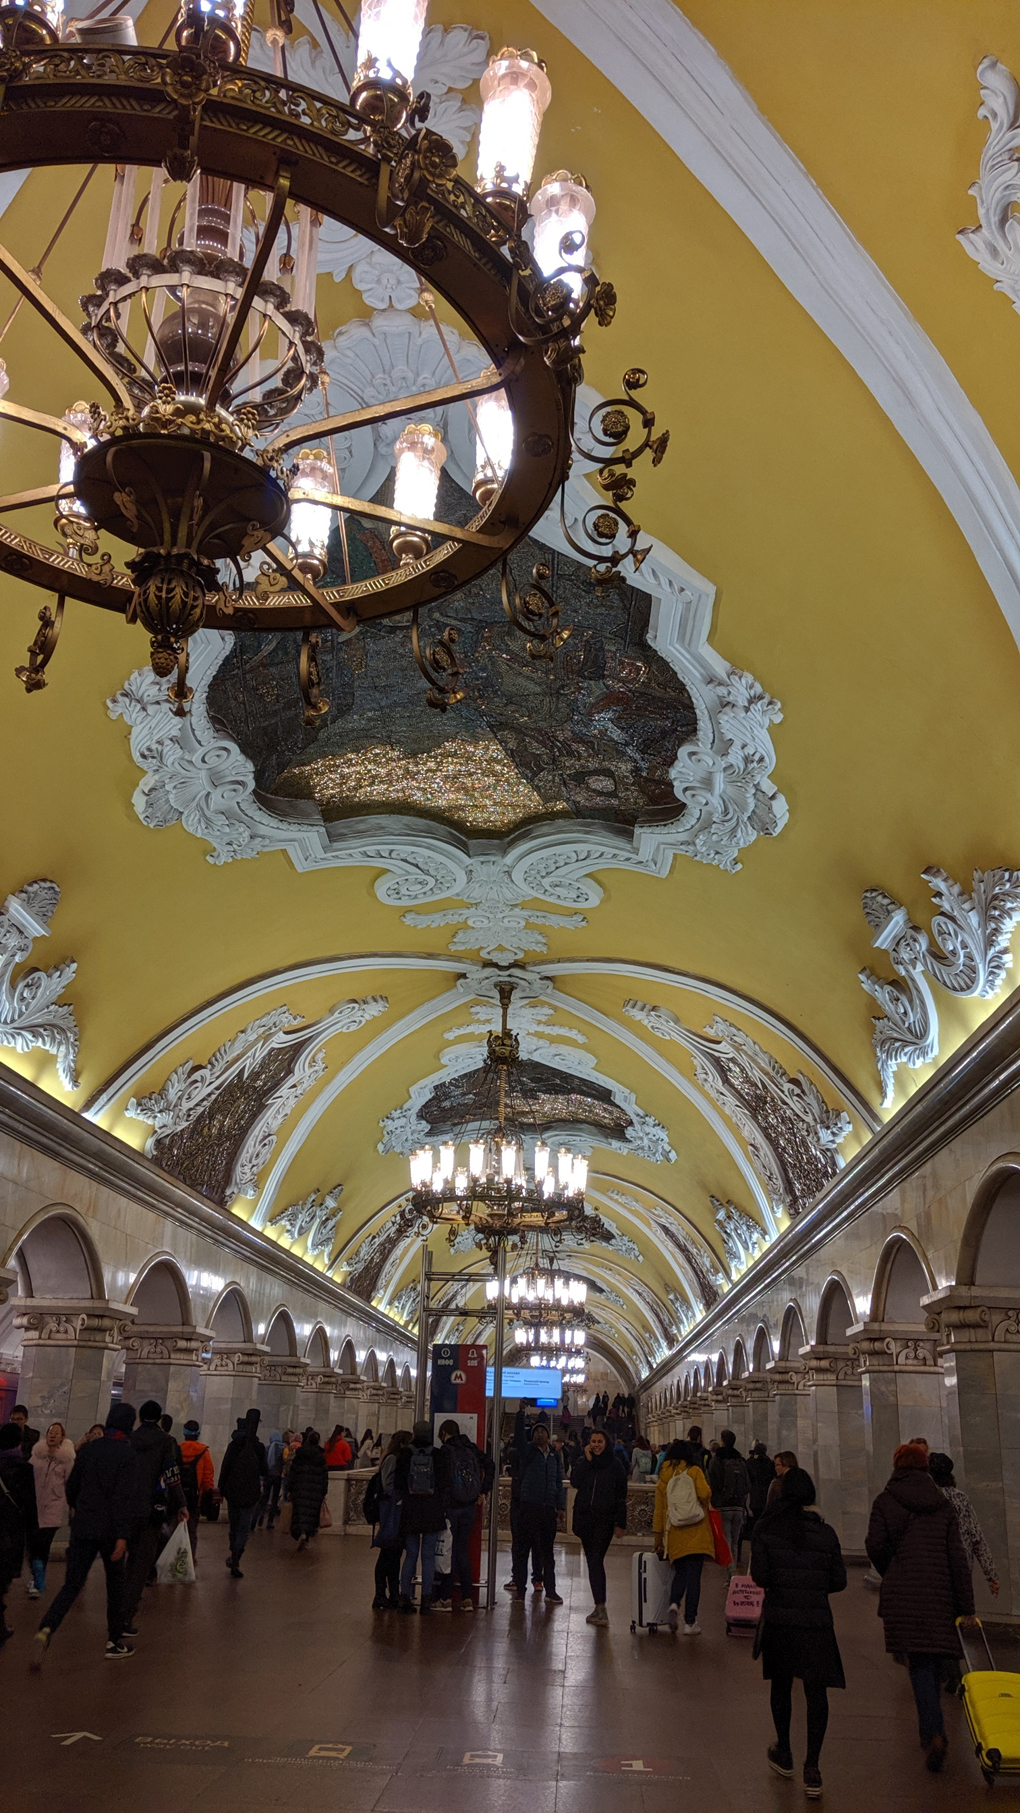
178, 1388
125, 1235
69, 1385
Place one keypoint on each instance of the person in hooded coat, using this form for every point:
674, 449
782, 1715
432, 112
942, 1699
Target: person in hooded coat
915, 1545
52, 1460
18, 1523
242, 1470
796, 1557
600, 1511
309, 1483
101, 1492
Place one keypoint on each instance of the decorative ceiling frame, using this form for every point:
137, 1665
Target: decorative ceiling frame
678, 82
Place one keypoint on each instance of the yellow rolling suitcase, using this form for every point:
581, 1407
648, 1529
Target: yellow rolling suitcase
991, 1700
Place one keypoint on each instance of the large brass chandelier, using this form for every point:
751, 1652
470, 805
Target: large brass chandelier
499, 1178
186, 494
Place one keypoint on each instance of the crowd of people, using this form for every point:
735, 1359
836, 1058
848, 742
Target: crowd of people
127, 1484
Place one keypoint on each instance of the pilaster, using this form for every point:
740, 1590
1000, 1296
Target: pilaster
901, 1391
165, 1363
233, 1375
71, 1350
790, 1420
280, 1392
832, 1380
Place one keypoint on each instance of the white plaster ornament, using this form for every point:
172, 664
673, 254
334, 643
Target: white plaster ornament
30, 1014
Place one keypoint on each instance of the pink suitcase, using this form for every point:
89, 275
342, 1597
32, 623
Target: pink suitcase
743, 1606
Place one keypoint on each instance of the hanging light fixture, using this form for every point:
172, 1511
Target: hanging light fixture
187, 497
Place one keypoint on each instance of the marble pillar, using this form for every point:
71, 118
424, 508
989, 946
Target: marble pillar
901, 1392
232, 1374
354, 1396
320, 1404
166, 1364
756, 1391
281, 1390
979, 1344
791, 1425
70, 1352
840, 1466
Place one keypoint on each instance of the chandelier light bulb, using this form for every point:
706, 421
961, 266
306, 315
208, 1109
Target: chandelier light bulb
389, 38
491, 1289
508, 1160
563, 209
447, 1159
460, 1183
311, 477
476, 1158
494, 449
515, 94
579, 1176
419, 455
77, 417
565, 1166
421, 1168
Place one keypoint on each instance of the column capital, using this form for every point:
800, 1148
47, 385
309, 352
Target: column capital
73, 1322
828, 1364
892, 1347
323, 1378
785, 1377
284, 1370
179, 1346
757, 1386
244, 1357
974, 1316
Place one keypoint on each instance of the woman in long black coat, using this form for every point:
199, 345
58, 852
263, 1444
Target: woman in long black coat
600, 1508
309, 1483
914, 1542
796, 1557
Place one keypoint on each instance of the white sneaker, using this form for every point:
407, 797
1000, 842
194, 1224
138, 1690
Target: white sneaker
692, 1630
34, 1592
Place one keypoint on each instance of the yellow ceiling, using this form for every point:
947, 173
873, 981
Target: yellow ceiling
844, 586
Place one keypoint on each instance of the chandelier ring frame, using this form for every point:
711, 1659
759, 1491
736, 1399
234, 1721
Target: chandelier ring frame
66, 105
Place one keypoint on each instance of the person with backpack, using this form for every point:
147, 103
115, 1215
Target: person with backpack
242, 1470
383, 1511
158, 1501
542, 1496
420, 1483
18, 1520
600, 1511
796, 1557
702, 1455
197, 1478
731, 1487
467, 1481
682, 1529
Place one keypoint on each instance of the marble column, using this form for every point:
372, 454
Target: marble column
833, 1384
70, 1352
320, 1404
354, 1395
756, 1390
979, 1343
791, 1425
280, 1392
232, 1375
166, 1364
901, 1392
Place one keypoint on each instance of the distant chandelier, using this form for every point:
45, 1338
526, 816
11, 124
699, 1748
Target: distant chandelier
541, 1291
499, 1188
549, 1338
201, 329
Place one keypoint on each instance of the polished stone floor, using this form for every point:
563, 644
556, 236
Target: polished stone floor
285, 1690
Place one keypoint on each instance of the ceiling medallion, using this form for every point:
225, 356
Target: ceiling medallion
200, 329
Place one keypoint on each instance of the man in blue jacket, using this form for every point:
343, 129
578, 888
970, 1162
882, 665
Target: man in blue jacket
101, 1493
542, 1495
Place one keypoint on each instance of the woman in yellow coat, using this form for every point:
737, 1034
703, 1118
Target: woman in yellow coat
687, 1544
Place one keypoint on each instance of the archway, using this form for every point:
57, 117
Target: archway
348, 1360
389, 1377
761, 1353
792, 1335
739, 1367
281, 1338
317, 1349
836, 1314
370, 1369
990, 1248
160, 1295
901, 1280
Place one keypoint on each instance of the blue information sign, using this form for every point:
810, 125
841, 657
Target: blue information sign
528, 1382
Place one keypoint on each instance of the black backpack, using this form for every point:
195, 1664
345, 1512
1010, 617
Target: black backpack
421, 1473
465, 1473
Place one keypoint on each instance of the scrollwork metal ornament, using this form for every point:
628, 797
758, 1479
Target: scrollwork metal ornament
534, 612
438, 664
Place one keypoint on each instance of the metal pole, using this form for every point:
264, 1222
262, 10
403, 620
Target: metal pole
496, 1426
424, 1328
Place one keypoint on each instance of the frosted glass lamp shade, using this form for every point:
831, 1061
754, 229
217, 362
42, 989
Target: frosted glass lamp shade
494, 449
420, 455
563, 209
515, 94
389, 38
77, 417
309, 521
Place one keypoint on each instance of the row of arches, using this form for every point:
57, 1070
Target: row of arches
54, 1257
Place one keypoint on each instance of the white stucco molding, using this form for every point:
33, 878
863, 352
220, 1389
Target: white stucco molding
679, 83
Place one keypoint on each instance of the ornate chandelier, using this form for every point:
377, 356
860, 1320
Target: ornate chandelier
539, 1291
504, 1186
200, 334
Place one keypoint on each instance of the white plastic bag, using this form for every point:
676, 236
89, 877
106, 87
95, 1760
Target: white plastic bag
444, 1551
175, 1566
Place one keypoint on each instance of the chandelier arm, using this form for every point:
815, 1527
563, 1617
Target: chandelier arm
388, 412
44, 305
263, 377
50, 424
22, 500
258, 264
284, 564
356, 506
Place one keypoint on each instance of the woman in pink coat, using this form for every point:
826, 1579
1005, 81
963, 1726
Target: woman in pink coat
52, 1460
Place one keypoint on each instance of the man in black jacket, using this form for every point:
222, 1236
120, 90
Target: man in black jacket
542, 1496
731, 1487
101, 1493
159, 1500
29, 1437
242, 1470
18, 1521
421, 1483
600, 1508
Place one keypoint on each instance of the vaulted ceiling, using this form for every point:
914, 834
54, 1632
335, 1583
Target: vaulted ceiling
836, 520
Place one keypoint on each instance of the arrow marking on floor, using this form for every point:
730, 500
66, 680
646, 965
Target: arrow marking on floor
71, 1737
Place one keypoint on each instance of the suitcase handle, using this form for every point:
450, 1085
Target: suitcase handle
974, 1630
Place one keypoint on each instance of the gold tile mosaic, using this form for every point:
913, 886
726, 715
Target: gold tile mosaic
471, 783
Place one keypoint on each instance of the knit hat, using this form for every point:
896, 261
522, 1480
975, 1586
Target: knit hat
150, 1411
910, 1455
10, 1437
191, 1429
797, 1487
122, 1417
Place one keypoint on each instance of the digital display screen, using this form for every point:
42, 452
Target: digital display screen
541, 1382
